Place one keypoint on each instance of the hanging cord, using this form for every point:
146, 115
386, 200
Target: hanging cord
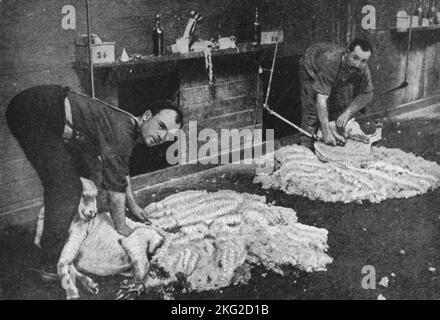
257, 97
105, 103
208, 63
273, 64
261, 70
266, 106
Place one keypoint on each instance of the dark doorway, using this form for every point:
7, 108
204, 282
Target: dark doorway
284, 95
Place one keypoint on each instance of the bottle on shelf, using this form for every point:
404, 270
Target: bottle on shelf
124, 56
158, 47
433, 20
257, 30
419, 13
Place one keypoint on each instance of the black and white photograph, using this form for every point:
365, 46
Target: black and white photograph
236, 151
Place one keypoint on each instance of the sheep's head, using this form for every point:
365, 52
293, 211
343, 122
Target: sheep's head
87, 208
353, 130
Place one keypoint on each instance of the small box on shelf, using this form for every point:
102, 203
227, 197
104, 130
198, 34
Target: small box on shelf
270, 37
100, 53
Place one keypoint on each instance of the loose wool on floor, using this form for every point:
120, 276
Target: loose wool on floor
383, 174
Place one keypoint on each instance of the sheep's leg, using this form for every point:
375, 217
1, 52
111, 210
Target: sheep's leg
136, 246
88, 284
66, 271
68, 281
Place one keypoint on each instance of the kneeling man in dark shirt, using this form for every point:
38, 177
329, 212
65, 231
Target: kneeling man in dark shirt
65, 135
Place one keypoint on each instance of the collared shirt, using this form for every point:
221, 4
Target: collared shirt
324, 63
112, 137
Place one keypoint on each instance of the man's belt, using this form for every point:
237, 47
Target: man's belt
69, 132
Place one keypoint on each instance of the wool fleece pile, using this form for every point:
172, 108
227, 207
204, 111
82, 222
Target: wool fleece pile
210, 241
384, 174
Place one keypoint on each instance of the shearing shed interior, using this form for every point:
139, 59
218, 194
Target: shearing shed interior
219, 149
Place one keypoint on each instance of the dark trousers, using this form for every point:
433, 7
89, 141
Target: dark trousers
45, 149
339, 100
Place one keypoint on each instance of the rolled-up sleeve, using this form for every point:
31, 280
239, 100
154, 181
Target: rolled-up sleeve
323, 84
114, 171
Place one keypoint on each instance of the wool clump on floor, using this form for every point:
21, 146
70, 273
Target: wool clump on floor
384, 174
214, 239
211, 240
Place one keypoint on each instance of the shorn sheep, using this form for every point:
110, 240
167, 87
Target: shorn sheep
208, 240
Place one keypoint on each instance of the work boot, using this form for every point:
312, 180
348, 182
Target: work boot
45, 270
47, 273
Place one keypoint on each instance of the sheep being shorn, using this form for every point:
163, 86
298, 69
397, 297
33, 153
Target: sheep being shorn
210, 240
382, 174
94, 247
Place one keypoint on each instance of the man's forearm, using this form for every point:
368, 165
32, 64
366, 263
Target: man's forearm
131, 202
360, 102
321, 107
117, 208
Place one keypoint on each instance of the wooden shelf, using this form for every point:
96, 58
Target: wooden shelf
417, 29
241, 48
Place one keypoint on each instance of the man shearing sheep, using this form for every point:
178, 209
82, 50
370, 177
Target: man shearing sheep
335, 84
67, 135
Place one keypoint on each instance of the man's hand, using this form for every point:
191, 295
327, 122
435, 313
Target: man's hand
134, 208
340, 140
329, 138
139, 213
332, 138
342, 120
124, 230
